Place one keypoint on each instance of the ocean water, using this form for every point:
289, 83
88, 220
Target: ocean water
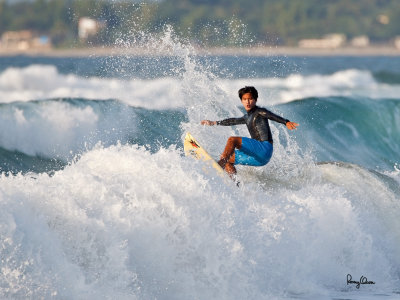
98, 201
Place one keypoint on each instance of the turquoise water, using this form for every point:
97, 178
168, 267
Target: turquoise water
98, 201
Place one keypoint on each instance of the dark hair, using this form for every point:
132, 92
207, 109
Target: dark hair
248, 89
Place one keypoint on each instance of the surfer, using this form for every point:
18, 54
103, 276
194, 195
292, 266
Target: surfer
254, 151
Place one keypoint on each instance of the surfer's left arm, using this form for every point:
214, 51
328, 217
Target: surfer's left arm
270, 115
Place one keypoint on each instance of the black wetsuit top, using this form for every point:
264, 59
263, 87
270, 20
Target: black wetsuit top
257, 123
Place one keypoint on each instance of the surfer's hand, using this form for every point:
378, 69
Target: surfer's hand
208, 122
291, 125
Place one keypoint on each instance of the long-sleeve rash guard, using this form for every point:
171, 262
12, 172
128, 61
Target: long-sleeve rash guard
257, 123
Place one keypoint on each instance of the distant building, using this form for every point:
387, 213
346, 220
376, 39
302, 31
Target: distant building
397, 42
330, 41
383, 19
360, 41
89, 27
24, 40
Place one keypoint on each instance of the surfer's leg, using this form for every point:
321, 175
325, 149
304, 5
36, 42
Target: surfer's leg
253, 153
228, 156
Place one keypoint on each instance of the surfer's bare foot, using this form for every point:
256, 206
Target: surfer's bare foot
230, 169
222, 163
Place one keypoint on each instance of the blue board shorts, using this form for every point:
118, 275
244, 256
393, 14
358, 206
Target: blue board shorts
253, 153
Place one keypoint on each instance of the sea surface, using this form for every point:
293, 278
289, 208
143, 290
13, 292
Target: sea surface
98, 201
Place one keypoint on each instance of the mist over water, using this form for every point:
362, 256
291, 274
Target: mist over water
98, 201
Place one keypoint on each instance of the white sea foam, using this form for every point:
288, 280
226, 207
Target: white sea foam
124, 223
38, 82
347, 83
56, 129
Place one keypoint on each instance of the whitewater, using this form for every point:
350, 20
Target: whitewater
98, 200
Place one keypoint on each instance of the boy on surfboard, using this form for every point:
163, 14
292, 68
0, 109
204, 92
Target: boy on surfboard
254, 151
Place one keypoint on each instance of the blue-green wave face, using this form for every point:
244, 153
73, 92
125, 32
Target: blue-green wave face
41, 135
98, 200
356, 130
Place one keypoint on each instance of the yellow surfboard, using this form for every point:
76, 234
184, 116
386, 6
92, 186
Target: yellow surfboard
193, 148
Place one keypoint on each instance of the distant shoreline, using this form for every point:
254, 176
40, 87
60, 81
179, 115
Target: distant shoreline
222, 51
296, 51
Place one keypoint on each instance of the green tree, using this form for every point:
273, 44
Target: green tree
209, 22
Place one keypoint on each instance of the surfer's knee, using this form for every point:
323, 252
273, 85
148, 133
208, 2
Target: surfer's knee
235, 141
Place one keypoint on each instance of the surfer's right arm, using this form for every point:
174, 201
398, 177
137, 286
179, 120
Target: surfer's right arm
226, 122
208, 122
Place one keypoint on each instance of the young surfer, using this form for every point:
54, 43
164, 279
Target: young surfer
254, 151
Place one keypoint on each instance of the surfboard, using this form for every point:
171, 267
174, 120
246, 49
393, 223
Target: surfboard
193, 148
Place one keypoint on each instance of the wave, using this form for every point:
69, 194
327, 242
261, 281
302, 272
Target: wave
59, 128
134, 218
63, 128
357, 130
38, 82
154, 225
345, 83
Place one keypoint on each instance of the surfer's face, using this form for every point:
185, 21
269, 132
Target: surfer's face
248, 101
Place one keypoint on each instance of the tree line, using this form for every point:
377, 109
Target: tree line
208, 22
